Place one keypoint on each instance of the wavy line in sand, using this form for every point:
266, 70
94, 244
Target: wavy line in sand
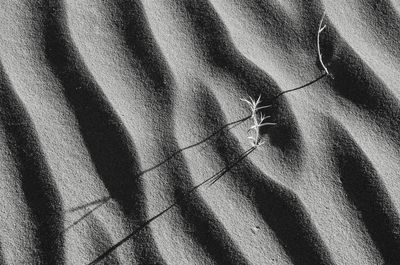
350, 83
40, 191
366, 191
109, 145
357, 83
280, 208
310, 241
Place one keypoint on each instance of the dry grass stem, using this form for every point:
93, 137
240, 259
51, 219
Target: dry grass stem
258, 120
320, 29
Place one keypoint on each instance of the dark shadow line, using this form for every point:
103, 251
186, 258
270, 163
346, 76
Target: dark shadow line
83, 206
222, 172
98, 237
105, 200
237, 122
297, 88
122, 241
212, 180
214, 177
84, 216
195, 144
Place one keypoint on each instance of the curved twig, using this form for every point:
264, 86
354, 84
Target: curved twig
320, 29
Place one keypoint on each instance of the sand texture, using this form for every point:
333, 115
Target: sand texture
112, 112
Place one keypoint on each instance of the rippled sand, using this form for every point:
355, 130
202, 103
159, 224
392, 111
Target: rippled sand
111, 111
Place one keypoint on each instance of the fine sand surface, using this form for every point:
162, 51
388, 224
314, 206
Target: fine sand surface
112, 111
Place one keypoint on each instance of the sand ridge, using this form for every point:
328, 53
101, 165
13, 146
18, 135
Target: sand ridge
112, 111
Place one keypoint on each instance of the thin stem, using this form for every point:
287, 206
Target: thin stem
320, 29
257, 130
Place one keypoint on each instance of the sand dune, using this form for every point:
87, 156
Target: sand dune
114, 114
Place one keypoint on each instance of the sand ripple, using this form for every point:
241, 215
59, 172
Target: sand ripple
113, 112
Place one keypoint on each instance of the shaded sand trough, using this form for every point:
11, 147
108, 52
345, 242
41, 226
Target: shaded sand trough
112, 111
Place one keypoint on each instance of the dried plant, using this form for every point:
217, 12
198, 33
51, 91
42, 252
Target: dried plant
258, 120
320, 29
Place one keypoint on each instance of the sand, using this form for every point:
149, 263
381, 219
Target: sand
114, 114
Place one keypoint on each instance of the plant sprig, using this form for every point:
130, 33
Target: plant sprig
258, 120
